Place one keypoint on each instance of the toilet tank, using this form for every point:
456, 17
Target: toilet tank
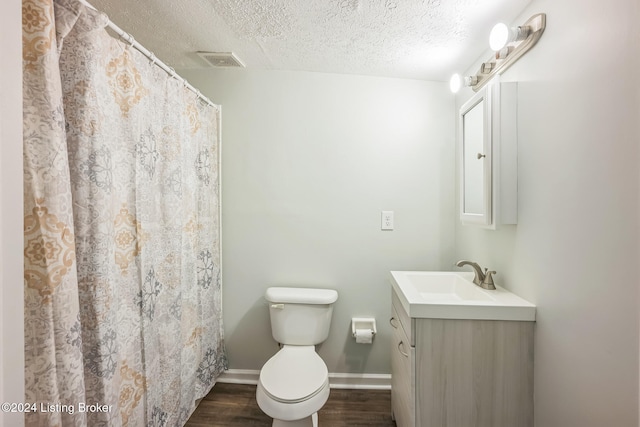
300, 316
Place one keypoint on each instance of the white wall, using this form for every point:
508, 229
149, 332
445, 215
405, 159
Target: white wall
575, 250
309, 161
11, 275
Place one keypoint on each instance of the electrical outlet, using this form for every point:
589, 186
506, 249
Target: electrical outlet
387, 220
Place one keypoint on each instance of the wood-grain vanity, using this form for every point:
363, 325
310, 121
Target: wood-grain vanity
460, 372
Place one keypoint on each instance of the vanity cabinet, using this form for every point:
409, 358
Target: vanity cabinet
460, 373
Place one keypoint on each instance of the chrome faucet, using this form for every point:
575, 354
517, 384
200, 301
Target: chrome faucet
484, 280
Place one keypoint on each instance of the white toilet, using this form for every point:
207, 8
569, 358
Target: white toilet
294, 383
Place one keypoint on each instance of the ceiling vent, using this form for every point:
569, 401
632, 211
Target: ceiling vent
221, 59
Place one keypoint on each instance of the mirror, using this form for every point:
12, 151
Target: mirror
475, 167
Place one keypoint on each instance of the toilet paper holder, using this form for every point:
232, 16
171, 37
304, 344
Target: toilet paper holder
363, 323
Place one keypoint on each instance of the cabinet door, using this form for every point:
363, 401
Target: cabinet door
474, 373
401, 316
476, 159
402, 377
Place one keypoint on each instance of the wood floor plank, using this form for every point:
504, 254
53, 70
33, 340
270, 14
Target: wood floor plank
235, 405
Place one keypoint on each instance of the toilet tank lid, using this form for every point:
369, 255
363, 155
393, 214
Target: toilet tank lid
301, 295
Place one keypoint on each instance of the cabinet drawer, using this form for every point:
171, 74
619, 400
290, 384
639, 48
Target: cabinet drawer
401, 318
402, 378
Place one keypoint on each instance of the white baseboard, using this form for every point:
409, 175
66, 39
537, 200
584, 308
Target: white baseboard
336, 380
239, 376
360, 381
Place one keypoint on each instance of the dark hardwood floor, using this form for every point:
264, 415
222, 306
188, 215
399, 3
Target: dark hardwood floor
235, 405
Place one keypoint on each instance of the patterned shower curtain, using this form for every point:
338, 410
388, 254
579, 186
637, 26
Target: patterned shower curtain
123, 320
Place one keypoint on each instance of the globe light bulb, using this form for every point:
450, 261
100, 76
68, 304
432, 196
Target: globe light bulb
455, 83
499, 36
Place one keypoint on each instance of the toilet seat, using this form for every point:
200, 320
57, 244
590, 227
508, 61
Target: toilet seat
294, 374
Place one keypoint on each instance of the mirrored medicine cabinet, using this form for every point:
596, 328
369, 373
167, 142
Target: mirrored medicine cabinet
488, 156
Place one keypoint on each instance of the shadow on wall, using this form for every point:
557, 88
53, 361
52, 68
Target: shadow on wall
355, 355
251, 336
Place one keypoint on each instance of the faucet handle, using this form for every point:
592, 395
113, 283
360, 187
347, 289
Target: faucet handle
487, 283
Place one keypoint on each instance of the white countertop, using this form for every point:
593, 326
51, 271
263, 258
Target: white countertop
453, 295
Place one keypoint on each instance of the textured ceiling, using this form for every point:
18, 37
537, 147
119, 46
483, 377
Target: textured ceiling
419, 39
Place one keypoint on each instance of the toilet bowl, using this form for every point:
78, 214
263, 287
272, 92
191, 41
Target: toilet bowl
294, 383
293, 386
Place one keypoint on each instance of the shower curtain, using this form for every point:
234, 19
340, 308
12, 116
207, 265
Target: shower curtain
123, 320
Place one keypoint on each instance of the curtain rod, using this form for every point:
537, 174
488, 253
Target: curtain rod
128, 38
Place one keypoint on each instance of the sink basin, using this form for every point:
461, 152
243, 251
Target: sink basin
453, 295
446, 287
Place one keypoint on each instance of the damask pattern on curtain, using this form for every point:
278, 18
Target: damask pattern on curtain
122, 252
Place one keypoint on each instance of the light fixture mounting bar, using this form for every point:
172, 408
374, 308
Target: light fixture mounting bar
495, 65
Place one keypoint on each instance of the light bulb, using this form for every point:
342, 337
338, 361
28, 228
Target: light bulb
455, 83
499, 36
458, 81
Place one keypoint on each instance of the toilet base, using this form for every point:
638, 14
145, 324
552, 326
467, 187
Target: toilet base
311, 421
296, 413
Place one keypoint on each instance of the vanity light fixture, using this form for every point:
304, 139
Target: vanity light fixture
509, 44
